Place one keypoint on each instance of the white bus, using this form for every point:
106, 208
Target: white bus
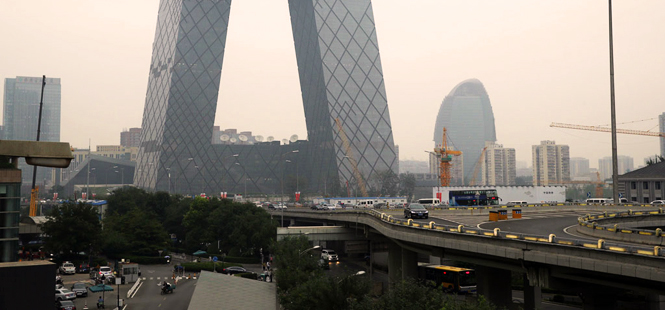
600, 200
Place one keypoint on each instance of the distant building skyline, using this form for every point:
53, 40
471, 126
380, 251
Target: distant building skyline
551, 163
131, 137
466, 113
624, 164
579, 166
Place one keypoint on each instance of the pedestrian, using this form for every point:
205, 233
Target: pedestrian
264, 266
268, 265
270, 275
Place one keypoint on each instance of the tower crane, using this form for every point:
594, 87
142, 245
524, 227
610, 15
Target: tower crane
476, 167
349, 155
445, 156
605, 129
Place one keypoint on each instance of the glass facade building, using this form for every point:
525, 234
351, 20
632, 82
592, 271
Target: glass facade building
347, 118
467, 115
21, 115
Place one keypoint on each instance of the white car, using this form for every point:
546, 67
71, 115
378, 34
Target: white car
658, 202
329, 255
64, 294
105, 271
67, 268
330, 207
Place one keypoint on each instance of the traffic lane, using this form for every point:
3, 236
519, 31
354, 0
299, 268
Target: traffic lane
439, 220
149, 296
537, 226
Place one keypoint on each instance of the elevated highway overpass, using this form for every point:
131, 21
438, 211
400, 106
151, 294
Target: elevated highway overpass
598, 270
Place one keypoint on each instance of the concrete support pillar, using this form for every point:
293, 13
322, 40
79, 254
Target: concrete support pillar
292, 222
394, 263
494, 284
533, 296
409, 264
656, 302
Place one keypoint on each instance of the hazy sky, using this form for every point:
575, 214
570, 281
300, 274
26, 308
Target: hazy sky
540, 61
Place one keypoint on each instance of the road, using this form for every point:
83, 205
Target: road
148, 295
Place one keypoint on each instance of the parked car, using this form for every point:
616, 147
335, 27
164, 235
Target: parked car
329, 255
67, 268
106, 271
330, 207
83, 268
80, 289
416, 210
658, 202
64, 294
234, 270
65, 305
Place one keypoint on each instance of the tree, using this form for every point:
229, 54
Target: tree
72, 228
329, 293
410, 294
137, 232
294, 265
656, 159
407, 185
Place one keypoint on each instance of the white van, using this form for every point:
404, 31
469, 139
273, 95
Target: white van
429, 202
366, 204
516, 203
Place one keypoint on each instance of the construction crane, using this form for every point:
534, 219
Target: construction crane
599, 184
445, 156
606, 129
349, 155
476, 167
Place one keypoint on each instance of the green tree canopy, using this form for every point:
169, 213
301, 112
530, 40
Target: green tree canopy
72, 228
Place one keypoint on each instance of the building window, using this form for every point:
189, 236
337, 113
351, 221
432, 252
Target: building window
634, 199
633, 185
657, 185
646, 199
645, 185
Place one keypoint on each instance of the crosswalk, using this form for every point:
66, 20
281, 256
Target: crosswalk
178, 278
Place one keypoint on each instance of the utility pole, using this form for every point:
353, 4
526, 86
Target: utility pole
615, 165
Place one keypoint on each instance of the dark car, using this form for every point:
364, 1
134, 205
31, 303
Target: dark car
234, 270
82, 268
65, 305
80, 289
416, 210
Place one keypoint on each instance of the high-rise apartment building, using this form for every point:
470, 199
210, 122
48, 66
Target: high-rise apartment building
579, 167
624, 164
551, 163
349, 133
498, 167
131, 137
661, 122
21, 115
467, 115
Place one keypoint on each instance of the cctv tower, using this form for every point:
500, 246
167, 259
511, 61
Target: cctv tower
344, 99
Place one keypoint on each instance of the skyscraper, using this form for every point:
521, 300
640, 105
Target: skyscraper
467, 115
551, 163
346, 111
21, 115
498, 167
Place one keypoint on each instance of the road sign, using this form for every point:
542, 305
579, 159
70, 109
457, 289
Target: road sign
588, 195
620, 195
214, 259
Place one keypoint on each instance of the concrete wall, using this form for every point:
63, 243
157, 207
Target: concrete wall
27, 285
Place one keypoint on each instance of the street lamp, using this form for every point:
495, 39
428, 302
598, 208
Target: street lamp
355, 274
168, 172
312, 248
